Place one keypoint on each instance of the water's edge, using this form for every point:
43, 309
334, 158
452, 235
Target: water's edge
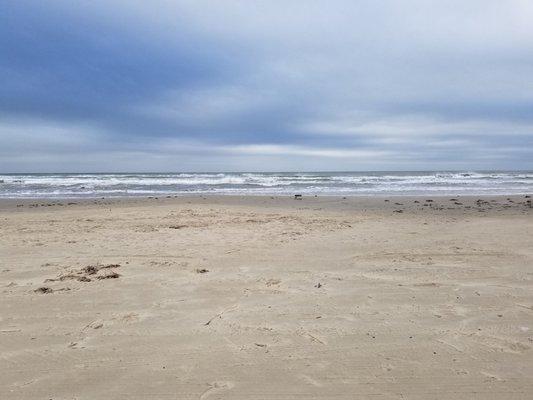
286, 183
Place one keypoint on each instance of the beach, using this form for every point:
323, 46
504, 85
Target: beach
267, 297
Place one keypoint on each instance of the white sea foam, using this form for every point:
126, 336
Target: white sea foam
408, 183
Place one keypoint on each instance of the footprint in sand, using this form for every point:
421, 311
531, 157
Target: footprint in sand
216, 387
311, 381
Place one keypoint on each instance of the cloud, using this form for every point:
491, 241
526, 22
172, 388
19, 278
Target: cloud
240, 85
265, 149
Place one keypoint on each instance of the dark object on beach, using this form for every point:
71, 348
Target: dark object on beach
90, 270
398, 211
429, 201
109, 266
399, 204
318, 285
416, 201
458, 204
177, 226
297, 197
201, 271
44, 290
527, 196
112, 275
386, 200
453, 199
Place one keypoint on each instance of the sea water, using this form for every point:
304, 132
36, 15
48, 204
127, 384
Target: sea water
265, 183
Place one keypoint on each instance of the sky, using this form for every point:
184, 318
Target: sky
292, 85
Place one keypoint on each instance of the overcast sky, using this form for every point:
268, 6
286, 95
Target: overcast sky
265, 85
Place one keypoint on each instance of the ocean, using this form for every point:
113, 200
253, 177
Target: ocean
265, 183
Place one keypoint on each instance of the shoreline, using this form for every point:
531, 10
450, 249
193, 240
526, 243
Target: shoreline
222, 195
335, 202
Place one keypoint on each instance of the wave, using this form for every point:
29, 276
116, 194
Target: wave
132, 184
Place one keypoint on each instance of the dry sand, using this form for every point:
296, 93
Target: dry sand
267, 298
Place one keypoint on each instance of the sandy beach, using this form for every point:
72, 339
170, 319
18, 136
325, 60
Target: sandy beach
267, 298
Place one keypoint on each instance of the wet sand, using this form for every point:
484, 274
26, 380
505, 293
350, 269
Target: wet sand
267, 298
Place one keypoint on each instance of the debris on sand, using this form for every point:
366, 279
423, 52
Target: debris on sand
220, 314
109, 266
93, 269
297, 197
44, 290
69, 276
273, 282
95, 325
318, 285
90, 270
177, 226
87, 274
202, 271
112, 275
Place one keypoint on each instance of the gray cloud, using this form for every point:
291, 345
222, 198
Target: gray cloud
205, 85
